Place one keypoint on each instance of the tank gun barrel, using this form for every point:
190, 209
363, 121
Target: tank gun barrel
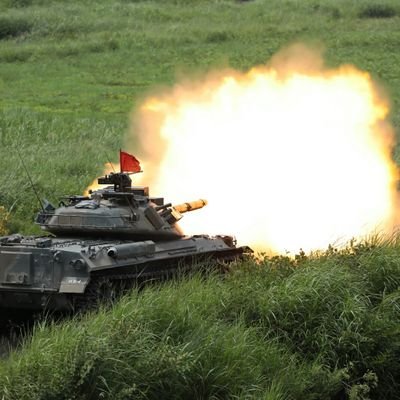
190, 206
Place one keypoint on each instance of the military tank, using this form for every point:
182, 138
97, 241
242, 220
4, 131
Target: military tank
99, 245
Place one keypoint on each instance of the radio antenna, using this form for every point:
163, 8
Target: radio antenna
30, 179
112, 165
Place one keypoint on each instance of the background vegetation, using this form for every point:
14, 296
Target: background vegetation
325, 326
71, 72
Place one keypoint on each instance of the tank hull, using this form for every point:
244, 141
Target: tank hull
65, 274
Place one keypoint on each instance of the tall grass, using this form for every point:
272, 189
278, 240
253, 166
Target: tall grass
3, 221
322, 327
63, 154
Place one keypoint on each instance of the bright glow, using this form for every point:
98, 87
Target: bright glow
108, 168
289, 156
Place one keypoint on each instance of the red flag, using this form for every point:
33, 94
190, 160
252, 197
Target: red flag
128, 163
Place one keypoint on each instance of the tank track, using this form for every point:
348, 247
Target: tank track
106, 287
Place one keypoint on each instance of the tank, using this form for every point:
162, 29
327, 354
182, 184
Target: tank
100, 245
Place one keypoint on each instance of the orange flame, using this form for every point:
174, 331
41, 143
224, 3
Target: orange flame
291, 155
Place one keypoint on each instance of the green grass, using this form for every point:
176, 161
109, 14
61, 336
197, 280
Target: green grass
320, 327
71, 72
62, 155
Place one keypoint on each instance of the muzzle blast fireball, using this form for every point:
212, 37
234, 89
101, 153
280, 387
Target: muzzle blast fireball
290, 155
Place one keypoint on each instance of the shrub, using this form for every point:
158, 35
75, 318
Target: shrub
18, 3
377, 11
217, 37
11, 27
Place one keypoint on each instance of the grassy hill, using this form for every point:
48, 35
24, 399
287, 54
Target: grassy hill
325, 326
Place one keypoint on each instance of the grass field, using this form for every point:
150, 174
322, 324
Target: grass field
71, 72
323, 327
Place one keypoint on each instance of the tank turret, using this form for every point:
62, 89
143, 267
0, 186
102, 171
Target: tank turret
120, 210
